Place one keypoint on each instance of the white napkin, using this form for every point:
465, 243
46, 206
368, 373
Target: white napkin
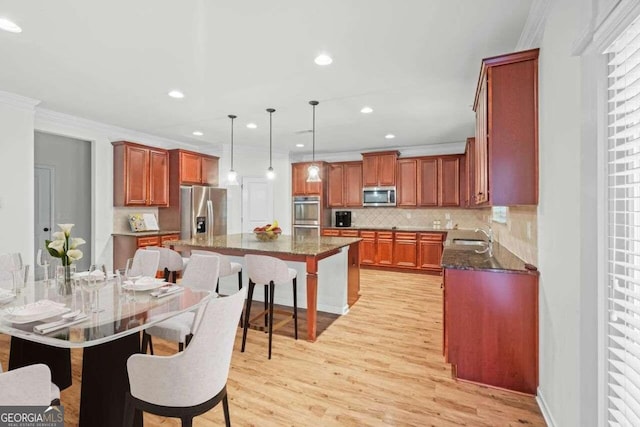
6, 295
97, 274
166, 291
37, 308
46, 328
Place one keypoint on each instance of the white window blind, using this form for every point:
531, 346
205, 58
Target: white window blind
623, 230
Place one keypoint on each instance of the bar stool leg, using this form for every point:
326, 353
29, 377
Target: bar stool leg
218, 286
247, 314
240, 288
271, 289
266, 307
295, 305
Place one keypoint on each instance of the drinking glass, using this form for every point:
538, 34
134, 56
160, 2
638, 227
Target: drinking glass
129, 274
42, 262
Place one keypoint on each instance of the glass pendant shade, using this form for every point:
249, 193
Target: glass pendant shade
232, 176
271, 173
313, 172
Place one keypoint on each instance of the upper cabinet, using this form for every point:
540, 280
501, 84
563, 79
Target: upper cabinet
505, 169
194, 168
300, 186
140, 175
469, 196
379, 169
429, 181
407, 191
345, 184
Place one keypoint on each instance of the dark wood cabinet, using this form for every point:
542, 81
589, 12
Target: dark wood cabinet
430, 251
210, 170
299, 184
194, 168
384, 248
330, 232
368, 251
491, 328
345, 184
407, 191
125, 246
428, 182
449, 181
405, 250
379, 169
506, 139
469, 196
140, 175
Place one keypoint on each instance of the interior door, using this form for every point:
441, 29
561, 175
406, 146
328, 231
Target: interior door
257, 203
43, 207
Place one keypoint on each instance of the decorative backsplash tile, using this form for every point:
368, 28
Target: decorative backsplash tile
520, 233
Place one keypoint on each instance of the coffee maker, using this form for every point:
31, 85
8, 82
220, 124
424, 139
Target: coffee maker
343, 218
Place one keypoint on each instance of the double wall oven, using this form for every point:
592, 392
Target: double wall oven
307, 214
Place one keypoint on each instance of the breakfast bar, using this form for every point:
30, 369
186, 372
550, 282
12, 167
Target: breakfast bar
340, 254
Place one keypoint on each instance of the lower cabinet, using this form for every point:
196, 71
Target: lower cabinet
405, 250
491, 328
384, 249
368, 249
125, 246
430, 250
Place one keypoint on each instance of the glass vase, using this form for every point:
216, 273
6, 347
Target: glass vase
64, 274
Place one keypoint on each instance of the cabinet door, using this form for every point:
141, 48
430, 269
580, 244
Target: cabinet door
209, 170
190, 168
384, 247
405, 250
449, 181
430, 251
353, 184
387, 169
368, 247
428, 182
158, 178
336, 186
407, 182
470, 158
136, 175
370, 171
481, 166
330, 232
298, 179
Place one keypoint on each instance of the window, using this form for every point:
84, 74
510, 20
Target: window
622, 355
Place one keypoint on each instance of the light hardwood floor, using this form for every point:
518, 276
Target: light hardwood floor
379, 365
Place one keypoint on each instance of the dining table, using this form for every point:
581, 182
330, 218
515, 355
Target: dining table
103, 319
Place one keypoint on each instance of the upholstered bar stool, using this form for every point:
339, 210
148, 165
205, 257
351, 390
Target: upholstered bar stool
170, 262
268, 271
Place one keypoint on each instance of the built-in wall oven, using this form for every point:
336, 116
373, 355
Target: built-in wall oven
306, 215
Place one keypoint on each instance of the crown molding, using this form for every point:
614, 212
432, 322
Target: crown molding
533, 30
18, 101
46, 117
407, 151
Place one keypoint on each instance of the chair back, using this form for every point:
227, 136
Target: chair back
202, 272
30, 385
145, 263
262, 269
225, 262
169, 259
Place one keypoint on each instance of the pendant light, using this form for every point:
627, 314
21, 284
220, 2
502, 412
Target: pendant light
313, 172
232, 177
270, 173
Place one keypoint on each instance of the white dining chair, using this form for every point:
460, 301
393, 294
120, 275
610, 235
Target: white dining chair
192, 382
29, 385
268, 271
145, 263
170, 262
201, 273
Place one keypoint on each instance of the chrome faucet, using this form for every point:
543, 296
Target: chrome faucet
489, 247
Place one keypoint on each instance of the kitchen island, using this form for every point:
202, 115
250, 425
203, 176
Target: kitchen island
329, 263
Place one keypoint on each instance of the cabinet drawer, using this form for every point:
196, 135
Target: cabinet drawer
406, 236
368, 234
385, 234
148, 241
330, 232
432, 236
169, 237
349, 233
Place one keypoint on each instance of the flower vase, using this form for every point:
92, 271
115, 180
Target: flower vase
63, 277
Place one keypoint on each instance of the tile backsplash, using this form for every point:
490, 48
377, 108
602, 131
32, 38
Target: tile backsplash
121, 217
520, 233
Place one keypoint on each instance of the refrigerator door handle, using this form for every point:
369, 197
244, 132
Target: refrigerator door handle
210, 219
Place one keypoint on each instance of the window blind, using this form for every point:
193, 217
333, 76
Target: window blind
623, 230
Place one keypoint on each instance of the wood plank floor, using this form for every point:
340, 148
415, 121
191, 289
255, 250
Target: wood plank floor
379, 365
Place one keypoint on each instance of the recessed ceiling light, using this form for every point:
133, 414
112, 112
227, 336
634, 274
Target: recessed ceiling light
366, 110
389, 136
299, 145
10, 26
323, 59
176, 94
252, 125
197, 133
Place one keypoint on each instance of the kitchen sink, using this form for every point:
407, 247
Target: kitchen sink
469, 242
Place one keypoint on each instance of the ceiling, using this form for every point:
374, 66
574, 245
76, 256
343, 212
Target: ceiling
415, 62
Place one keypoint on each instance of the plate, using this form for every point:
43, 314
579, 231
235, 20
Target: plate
147, 286
34, 311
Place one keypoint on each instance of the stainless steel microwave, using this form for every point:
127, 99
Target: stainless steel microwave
379, 196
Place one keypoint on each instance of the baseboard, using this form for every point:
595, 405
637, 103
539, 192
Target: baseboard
546, 414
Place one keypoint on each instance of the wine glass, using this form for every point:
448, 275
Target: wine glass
94, 281
129, 275
42, 262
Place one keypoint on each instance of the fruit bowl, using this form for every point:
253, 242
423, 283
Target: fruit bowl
266, 236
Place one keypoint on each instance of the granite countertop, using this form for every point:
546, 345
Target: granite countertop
285, 244
463, 257
393, 228
146, 233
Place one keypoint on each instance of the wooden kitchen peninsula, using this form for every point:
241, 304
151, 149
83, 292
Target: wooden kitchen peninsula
335, 278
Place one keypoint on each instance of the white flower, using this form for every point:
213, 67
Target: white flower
74, 254
58, 235
57, 245
75, 242
66, 228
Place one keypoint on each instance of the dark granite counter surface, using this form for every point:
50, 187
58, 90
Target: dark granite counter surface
392, 228
307, 245
465, 257
146, 233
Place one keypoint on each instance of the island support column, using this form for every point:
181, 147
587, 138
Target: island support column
312, 297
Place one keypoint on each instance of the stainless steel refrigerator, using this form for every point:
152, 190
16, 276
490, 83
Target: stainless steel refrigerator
203, 211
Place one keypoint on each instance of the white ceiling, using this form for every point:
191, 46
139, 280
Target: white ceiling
415, 62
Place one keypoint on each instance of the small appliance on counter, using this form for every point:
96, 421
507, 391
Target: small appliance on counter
343, 218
